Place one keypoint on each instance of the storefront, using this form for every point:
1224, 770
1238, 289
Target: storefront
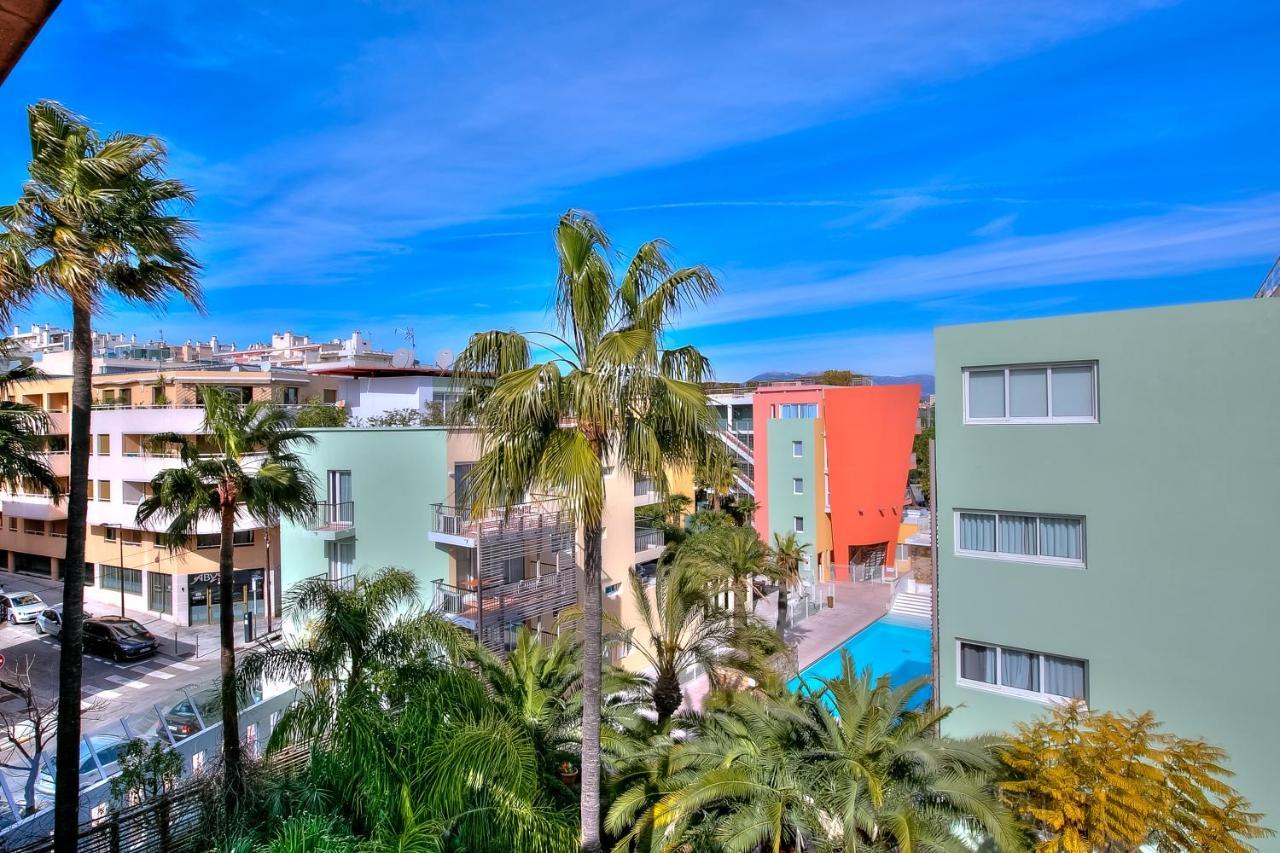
248, 595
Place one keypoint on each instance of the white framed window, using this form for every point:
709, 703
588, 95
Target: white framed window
1019, 672
797, 523
799, 410
1021, 537
1061, 393
613, 590
797, 485
797, 449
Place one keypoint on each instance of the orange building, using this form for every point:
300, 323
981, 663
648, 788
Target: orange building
831, 466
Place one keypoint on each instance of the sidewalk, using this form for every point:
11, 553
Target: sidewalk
195, 641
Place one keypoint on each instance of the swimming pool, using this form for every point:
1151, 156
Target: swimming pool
891, 645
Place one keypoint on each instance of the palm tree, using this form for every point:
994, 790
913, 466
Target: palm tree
733, 558
714, 474
22, 439
609, 390
687, 629
96, 217
242, 463
745, 506
887, 782
785, 559
348, 637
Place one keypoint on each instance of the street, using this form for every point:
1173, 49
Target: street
116, 698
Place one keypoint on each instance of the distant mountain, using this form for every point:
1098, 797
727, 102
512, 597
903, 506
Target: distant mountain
924, 380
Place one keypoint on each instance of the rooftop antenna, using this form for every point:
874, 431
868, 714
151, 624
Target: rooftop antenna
407, 334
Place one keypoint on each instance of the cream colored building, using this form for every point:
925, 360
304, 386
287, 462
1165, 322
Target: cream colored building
122, 556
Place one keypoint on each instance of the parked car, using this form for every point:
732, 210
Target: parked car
107, 750
21, 607
118, 638
182, 720
50, 620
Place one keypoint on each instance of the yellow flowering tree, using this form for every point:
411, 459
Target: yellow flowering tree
1087, 781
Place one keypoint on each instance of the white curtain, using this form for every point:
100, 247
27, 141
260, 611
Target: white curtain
1073, 392
978, 663
1062, 538
1020, 670
1028, 393
977, 532
1017, 534
986, 394
1064, 677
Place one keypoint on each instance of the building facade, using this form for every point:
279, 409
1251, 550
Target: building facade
831, 465
1102, 481
125, 565
397, 496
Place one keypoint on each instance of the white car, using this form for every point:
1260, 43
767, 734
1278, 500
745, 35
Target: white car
21, 607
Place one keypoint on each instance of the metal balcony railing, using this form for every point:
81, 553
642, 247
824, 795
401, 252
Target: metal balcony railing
535, 515
648, 537
508, 603
334, 515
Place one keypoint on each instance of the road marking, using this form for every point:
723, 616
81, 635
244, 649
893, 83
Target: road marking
102, 694
185, 667
158, 673
124, 682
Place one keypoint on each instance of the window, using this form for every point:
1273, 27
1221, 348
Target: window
1044, 393
104, 490
290, 396
329, 395
13, 525
342, 560
1018, 672
799, 410
613, 590
159, 592
131, 536
109, 534
214, 540
33, 526
90, 574
1057, 539
641, 488
797, 523
132, 579
103, 447
797, 485
608, 470
797, 449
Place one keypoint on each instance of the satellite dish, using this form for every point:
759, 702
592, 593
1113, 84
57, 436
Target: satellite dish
402, 358
444, 359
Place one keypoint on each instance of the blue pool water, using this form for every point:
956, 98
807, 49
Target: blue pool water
892, 646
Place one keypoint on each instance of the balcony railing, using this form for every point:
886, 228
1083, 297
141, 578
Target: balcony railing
507, 603
543, 514
334, 515
648, 537
642, 488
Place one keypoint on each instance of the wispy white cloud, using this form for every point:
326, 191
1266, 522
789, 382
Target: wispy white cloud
470, 112
1183, 241
1001, 226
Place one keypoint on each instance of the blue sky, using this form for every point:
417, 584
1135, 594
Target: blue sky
856, 173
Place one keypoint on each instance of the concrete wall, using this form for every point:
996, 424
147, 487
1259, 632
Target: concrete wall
396, 474
1175, 610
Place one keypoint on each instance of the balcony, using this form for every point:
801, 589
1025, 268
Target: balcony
34, 506
488, 610
650, 544
59, 462
644, 492
541, 523
333, 520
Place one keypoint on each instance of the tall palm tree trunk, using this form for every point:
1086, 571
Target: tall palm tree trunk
66, 801
592, 627
227, 626
783, 607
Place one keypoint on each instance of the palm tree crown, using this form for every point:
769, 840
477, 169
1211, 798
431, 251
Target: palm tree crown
22, 440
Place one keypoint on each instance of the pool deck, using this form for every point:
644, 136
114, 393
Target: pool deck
857, 606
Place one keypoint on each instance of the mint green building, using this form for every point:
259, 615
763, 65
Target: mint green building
793, 491
378, 487
1107, 486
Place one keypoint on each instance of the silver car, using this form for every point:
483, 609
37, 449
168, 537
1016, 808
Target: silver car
21, 607
106, 751
50, 621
